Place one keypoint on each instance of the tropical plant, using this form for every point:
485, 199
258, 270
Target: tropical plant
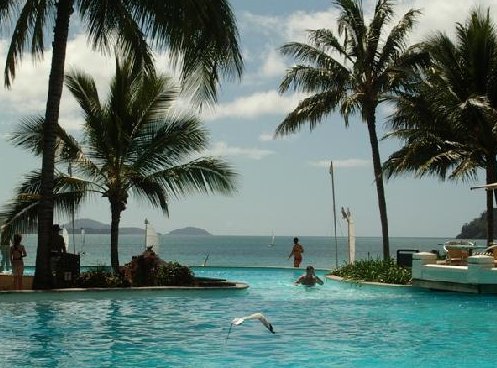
100, 278
133, 142
375, 270
200, 35
352, 74
447, 119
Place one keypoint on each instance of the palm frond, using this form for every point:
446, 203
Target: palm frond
309, 79
174, 139
310, 110
30, 21
351, 25
203, 175
395, 44
382, 14
201, 36
20, 214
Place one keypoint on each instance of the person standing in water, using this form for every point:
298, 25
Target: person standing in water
17, 253
310, 278
297, 251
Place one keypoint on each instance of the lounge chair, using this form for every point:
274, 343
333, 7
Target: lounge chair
492, 251
456, 257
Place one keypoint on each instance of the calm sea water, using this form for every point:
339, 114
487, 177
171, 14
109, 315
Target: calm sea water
234, 250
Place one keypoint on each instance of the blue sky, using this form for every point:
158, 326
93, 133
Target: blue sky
285, 186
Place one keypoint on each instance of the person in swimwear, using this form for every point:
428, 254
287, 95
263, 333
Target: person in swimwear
17, 253
310, 278
297, 251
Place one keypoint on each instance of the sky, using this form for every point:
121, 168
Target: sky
285, 187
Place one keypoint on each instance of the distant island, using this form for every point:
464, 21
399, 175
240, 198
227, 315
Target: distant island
189, 231
94, 227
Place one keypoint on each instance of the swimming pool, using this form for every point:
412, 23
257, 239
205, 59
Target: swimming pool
334, 325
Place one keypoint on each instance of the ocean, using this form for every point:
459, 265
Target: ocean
238, 251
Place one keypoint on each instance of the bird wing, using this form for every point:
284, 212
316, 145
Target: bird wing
259, 316
255, 316
262, 319
238, 321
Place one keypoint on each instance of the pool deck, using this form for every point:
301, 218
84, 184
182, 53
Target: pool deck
478, 275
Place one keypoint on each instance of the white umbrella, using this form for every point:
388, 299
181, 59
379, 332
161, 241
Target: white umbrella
492, 186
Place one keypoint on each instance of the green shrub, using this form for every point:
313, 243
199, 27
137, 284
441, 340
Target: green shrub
378, 270
100, 278
174, 274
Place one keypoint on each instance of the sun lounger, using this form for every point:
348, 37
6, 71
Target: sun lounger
456, 257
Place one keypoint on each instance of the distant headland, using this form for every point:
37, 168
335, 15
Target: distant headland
95, 227
189, 231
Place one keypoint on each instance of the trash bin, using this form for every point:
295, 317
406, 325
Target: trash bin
404, 257
66, 269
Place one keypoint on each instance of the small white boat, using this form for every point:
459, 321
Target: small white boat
272, 241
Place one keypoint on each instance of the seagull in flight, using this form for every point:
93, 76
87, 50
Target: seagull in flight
259, 316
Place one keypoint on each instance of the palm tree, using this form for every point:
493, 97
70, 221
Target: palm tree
201, 36
448, 119
133, 142
354, 74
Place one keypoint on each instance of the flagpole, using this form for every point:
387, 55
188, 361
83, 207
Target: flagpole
334, 213
146, 231
69, 170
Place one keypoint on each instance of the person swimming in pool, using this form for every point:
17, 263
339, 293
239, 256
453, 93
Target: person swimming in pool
310, 278
297, 251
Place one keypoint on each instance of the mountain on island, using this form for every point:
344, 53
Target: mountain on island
95, 227
477, 228
189, 231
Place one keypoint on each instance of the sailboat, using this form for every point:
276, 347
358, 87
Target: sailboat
272, 241
151, 238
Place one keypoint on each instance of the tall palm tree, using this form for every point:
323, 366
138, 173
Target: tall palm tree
448, 119
201, 36
132, 143
352, 74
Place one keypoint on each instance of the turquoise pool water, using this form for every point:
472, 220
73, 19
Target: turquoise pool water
334, 325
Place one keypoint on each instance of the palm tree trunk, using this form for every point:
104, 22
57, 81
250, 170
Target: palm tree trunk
491, 178
43, 276
378, 175
115, 209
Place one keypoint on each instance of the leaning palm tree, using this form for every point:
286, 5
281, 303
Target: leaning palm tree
201, 36
448, 119
133, 143
352, 74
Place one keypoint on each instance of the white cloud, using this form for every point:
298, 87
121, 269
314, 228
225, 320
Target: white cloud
298, 23
266, 137
222, 149
347, 163
443, 15
254, 105
274, 65
5, 136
